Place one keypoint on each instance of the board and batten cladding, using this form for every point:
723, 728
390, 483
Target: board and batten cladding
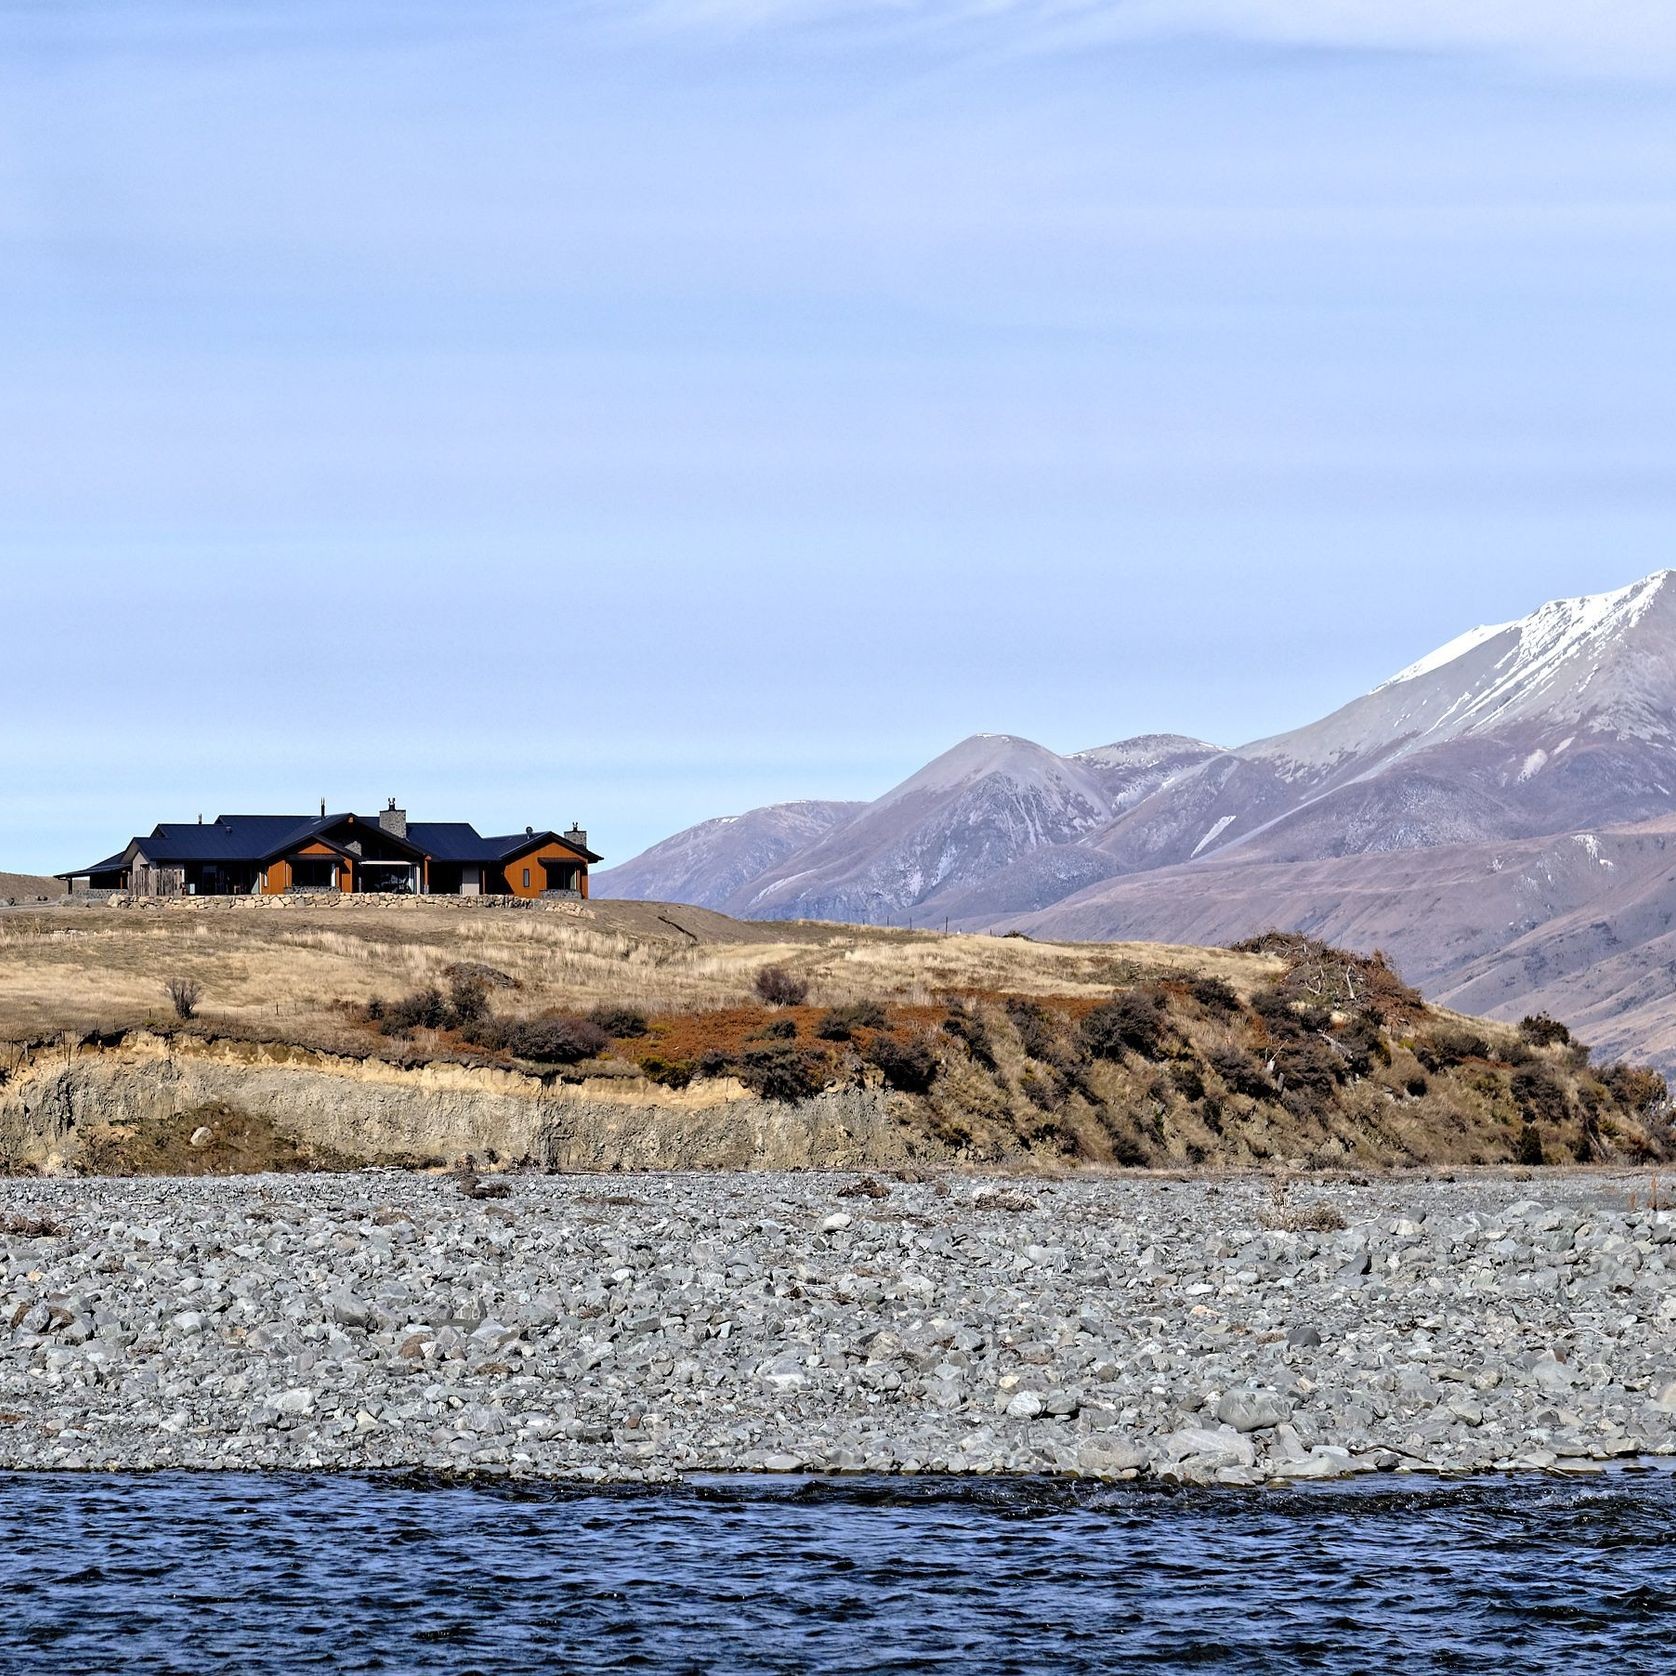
527, 876
280, 873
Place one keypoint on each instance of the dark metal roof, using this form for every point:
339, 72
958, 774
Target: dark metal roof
452, 841
111, 864
229, 837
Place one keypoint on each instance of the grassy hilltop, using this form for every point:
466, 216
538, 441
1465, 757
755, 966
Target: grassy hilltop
992, 1048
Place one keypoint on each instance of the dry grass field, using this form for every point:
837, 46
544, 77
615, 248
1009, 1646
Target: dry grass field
28, 887
295, 973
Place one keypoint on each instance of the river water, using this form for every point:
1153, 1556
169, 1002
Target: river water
258, 1573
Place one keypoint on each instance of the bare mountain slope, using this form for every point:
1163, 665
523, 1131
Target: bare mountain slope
709, 863
971, 812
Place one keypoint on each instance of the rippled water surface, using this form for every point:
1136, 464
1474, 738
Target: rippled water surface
250, 1573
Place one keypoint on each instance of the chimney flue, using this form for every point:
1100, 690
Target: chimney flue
393, 820
577, 837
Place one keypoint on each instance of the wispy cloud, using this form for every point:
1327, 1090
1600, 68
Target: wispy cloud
1583, 36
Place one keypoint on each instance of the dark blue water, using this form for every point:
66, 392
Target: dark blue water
248, 1573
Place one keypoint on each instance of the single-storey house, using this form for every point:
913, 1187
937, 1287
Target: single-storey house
274, 855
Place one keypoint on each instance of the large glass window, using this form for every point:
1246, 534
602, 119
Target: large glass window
310, 872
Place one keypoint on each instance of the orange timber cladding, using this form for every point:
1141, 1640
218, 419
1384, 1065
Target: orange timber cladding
525, 876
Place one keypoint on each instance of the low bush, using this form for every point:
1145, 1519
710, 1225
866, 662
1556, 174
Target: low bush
666, 1073
1542, 1031
1036, 1032
1529, 1149
1133, 1021
1188, 1081
783, 1073
1242, 1072
780, 988
1308, 1073
1445, 1046
620, 1022
839, 1024
1363, 1046
1639, 1089
909, 1066
967, 1025
468, 998
1045, 1089
1540, 1095
777, 1030
424, 1009
557, 1040
1215, 995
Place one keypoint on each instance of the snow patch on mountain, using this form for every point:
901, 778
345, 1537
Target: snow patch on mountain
1446, 654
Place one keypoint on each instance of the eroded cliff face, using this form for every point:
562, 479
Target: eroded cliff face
54, 1101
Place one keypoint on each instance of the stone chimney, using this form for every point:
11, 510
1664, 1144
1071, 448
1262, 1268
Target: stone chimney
577, 836
393, 820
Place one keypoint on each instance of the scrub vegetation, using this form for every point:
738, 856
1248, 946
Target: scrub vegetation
1279, 1050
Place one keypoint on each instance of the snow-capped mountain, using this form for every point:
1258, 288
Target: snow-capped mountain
1560, 723
1565, 718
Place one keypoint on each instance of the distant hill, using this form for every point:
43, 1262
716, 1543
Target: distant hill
1432, 815
27, 886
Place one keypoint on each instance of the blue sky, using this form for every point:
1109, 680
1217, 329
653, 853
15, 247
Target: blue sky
635, 413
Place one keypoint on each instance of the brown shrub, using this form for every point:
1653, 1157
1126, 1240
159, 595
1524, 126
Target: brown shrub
910, 1067
780, 988
784, 1072
1133, 1021
1637, 1089
1542, 1031
1036, 1029
1540, 1095
424, 1009
839, 1024
1214, 994
967, 1025
557, 1040
1446, 1046
1242, 1072
620, 1021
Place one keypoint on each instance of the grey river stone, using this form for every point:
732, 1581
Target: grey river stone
642, 1327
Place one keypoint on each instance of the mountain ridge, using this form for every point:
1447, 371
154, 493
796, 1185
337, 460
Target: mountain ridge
1560, 723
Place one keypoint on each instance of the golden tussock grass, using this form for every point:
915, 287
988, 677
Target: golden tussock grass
295, 972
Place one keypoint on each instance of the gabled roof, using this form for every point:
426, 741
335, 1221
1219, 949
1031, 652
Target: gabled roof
230, 837
514, 843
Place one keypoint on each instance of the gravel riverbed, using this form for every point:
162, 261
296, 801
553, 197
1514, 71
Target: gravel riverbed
641, 1327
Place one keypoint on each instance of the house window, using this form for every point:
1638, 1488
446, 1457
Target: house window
526, 878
